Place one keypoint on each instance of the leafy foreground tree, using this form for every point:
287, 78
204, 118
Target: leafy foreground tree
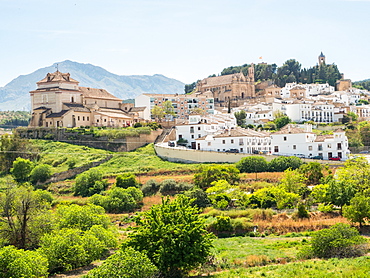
173, 236
25, 216
358, 210
339, 241
126, 263
19, 263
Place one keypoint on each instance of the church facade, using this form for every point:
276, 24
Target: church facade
231, 87
59, 101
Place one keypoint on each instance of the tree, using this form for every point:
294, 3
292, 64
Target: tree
199, 197
339, 241
21, 169
358, 210
190, 87
89, 183
168, 109
282, 163
252, 164
282, 121
173, 236
210, 173
294, 182
340, 193
312, 171
81, 217
126, 180
20, 263
127, 263
240, 117
23, 210
157, 113
40, 173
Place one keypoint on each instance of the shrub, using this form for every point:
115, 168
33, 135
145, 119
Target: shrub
20, 263
151, 187
21, 169
118, 200
126, 263
67, 249
81, 217
40, 173
89, 183
199, 197
252, 164
338, 241
208, 174
282, 163
126, 180
171, 187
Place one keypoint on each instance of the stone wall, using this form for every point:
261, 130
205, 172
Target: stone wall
62, 135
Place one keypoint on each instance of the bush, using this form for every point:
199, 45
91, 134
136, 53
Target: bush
126, 180
200, 198
171, 187
282, 163
151, 187
252, 164
126, 263
21, 169
118, 200
208, 174
19, 263
340, 241
67, 249
81, 217
89, 183
40, 173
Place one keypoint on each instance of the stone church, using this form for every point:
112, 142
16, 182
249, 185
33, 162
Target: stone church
232, 87
58, 101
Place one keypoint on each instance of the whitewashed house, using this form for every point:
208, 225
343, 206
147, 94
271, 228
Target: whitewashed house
239, 140
294, 141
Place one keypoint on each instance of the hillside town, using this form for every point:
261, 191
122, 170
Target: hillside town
204, 120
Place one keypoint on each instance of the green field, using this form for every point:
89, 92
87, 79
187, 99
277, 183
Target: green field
354, 267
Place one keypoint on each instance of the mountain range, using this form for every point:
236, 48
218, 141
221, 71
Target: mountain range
15, 95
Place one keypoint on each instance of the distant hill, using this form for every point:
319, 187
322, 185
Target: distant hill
364, 84
15, 95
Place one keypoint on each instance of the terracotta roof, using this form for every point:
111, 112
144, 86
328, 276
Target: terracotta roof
97, 93
58, 76
291, 129
241, 133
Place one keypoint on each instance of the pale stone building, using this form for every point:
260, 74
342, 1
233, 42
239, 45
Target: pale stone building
58, 101
232, 87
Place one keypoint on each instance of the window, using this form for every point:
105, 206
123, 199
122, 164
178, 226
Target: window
294, 147
198, 127
223, 142
78, 118
319, 147
199, 135
329, 146
276, 149
284, 138
241, 142
192, 136
209, 143
83, 118
191, 129
87, 118
310, 148
232, 141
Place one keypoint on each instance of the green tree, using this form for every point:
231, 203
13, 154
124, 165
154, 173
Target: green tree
127, 180
157, 113
81, 217
168, 109
40, 173
126, 263
20, 263
338, 241
190, 87
313, 172
21, 169
358, 210
340, 193
252, 164
89, 183
23, 212
173, 236
294, 182
210, 173
67, 249
282, 163
199, 197
282, 121
240, 117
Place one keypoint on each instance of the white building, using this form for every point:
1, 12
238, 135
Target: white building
294, 141
310, 89
183, 104
236, 140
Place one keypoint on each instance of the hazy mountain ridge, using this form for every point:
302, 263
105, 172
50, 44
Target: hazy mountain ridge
15, 95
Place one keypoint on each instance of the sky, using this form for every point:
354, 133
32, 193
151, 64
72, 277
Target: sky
186, 40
